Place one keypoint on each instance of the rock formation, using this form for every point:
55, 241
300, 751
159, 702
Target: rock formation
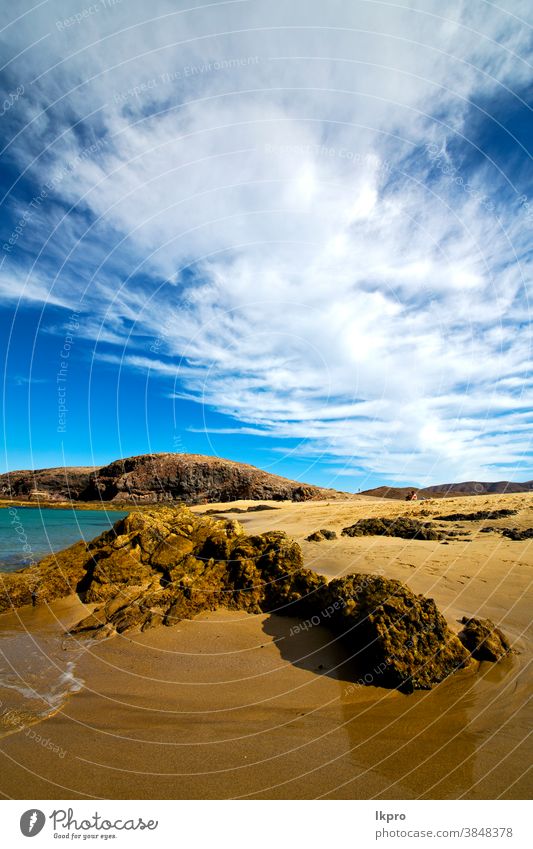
516, 534
392, 630
150, 478
483, 639
158, 567
478, 516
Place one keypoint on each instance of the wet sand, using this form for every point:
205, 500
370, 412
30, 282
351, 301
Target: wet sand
237, 706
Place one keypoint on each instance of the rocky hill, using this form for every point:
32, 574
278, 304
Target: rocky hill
449, 490
150, 478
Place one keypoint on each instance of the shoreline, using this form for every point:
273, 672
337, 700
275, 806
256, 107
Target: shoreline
232, 705
67, 505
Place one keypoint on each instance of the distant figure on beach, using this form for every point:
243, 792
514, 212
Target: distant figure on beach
34, 597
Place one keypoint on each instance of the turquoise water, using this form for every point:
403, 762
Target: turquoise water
29, 533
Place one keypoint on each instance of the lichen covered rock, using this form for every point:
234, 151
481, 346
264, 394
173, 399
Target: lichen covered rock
161, 566
483, 639
55, 576
322, 534
518, 534
477, 516
388, 628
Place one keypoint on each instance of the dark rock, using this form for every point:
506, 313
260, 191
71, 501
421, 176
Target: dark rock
158, 567
316, 536
478, 516
483, 639
322, 534
400, 637
518, 535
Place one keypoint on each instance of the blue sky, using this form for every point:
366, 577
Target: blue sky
293, 234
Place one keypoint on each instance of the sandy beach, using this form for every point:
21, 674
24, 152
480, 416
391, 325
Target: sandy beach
232, 705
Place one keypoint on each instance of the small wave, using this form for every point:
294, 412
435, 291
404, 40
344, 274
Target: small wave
68, 680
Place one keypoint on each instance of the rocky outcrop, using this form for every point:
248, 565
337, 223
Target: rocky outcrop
478, 516
161, 567
155, 568
398, 635
151, 478
517, 534
483, 640
396, 492
401, 526
55, 576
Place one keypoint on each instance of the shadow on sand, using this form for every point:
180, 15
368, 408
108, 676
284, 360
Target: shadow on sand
314, 648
